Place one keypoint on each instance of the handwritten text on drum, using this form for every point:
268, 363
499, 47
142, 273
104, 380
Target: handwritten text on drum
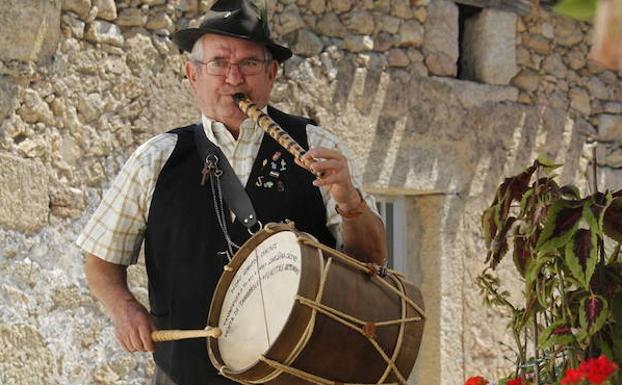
246, 283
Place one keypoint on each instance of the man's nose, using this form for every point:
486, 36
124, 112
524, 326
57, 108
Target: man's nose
233, 75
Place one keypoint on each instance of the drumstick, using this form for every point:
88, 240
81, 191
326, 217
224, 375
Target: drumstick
174, 335
274, 130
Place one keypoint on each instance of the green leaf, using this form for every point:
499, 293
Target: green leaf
582, 256
583, 10
535, 266
612, 219
593, 312
558, 333
547, 164
560, 225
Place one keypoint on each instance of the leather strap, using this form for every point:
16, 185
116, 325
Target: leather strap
234, 194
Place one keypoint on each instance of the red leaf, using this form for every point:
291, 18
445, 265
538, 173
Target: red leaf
593, 306
566, 219
562, 330
583, 246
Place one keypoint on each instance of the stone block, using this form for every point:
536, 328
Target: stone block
387, 23
131, 17
106, 9
358, 43
554, 65
34, 109
489, 47
66, 202
29, 29
104, 32
359, 22
567, 31
580, 100
160, 21
397, 58
289, 21
411, 34
385, 41
330, 25
610, 128
307, 44
24, 197
440, 42
527, 80
79, 7
8, 90
441, 64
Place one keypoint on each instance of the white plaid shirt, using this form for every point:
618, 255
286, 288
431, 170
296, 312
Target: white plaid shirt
116, 230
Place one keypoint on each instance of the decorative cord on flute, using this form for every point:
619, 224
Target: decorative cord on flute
273, 129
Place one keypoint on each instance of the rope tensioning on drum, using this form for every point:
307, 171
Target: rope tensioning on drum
308, 376
364, 268
368, 328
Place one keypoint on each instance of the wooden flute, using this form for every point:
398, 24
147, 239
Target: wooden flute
273, 129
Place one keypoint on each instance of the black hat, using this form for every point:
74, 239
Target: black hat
244, 19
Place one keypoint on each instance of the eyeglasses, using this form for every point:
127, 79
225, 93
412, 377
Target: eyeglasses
220, 67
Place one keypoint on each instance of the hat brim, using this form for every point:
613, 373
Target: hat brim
186, 38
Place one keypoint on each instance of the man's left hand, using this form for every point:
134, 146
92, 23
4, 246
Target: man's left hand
333, 167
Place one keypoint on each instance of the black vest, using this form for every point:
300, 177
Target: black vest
183, 239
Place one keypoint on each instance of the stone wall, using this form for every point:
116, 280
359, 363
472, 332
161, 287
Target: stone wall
83, 82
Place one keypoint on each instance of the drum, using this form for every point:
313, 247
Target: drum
293, 311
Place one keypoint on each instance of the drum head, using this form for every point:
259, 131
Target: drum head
259, 300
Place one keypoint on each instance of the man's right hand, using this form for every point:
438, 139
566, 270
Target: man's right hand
108, 283
133, 326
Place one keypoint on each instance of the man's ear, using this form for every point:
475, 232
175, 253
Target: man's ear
191, 73
273, 70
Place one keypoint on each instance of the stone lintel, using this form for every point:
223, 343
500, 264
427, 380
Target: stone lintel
472, 94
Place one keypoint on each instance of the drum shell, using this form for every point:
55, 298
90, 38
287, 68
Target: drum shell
333, 351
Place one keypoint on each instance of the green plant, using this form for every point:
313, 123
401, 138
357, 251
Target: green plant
572, 306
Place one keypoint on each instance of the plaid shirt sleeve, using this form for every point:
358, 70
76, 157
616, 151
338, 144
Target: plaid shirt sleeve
320, 137
115, 232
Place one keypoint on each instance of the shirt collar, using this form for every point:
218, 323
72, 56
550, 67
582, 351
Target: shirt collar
217, 132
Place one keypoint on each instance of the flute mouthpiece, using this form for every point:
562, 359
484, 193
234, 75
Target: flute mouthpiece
239, 97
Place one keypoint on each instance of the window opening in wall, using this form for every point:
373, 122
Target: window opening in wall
465, 12
392, 209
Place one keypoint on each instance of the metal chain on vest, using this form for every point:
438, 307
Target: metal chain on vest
211, 165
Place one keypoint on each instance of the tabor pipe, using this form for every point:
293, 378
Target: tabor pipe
273, 129
174, 335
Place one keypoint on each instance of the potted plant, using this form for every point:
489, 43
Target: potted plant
566, 249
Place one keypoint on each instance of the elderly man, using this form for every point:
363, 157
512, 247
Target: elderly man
158, 199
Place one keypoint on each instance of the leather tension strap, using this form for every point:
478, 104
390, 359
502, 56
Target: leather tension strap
234, 194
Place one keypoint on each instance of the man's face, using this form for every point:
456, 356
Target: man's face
213, 92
